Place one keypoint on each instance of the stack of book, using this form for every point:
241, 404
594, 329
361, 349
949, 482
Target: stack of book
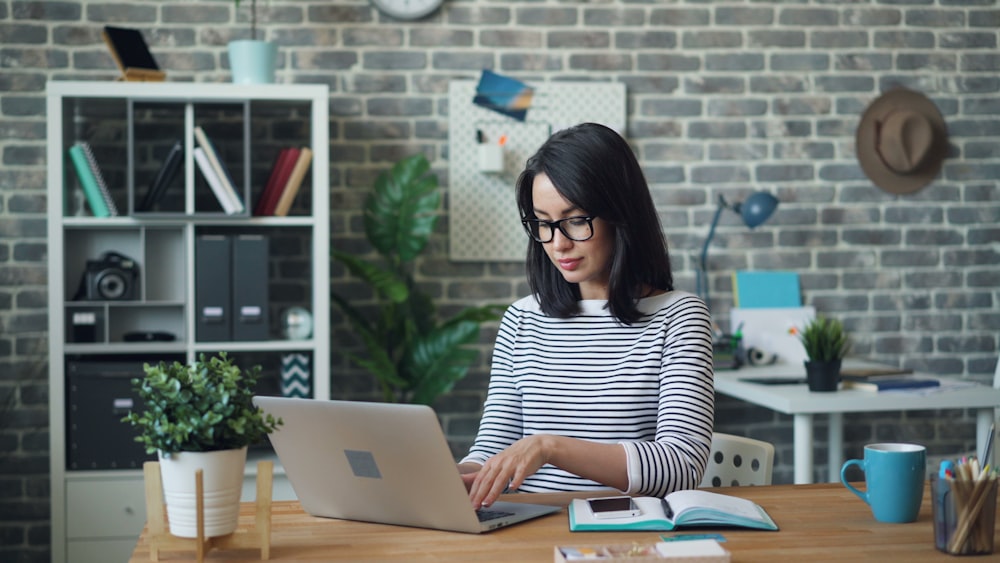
95, 189
885, 380
283, 184
215, 172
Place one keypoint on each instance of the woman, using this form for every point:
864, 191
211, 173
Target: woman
603, 377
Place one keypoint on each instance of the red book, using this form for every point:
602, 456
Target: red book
280, 172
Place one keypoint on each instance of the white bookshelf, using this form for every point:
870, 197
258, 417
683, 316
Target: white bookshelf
97, 514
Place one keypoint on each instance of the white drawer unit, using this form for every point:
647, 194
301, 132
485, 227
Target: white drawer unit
105, 508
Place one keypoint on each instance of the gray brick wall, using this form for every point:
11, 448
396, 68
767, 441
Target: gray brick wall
723, 98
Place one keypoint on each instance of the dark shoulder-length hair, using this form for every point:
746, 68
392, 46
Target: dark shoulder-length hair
595, 169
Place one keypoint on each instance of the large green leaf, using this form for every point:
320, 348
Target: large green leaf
437, 360
478, 315
383, 281
400, 214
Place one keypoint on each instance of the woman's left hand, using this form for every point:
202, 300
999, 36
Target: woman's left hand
508, 470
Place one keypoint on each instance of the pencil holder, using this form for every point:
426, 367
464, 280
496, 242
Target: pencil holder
490, 158
964, 515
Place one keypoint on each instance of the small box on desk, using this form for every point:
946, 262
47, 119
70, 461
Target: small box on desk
688, 551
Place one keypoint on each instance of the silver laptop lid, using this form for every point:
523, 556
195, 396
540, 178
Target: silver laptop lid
376, 462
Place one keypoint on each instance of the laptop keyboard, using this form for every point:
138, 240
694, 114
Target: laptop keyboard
487, 515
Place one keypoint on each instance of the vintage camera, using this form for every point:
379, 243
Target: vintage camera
112, 277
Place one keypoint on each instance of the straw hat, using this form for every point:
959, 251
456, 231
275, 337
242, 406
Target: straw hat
901, 141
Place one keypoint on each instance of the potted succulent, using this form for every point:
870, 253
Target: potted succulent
826, 343
252, 61
200, 416
412, 352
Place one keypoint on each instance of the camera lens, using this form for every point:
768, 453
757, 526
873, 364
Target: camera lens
111, 284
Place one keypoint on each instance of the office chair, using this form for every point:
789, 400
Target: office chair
738, 461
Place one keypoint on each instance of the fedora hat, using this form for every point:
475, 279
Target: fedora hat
901, 141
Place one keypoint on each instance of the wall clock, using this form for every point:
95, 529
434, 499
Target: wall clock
407, 9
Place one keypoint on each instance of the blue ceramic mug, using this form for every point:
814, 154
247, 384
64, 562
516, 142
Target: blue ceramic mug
894, 479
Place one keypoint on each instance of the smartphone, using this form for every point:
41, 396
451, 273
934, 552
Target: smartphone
613, 507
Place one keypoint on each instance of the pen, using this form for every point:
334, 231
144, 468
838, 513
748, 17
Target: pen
987, 460
666, 509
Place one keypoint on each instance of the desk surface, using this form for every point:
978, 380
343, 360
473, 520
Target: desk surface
818, 522
797, 399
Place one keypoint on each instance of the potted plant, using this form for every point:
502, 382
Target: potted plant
200, 416
826, 343
412, 352
252, 61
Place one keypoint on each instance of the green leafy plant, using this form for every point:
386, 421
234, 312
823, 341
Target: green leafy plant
413, 354
206, 406
825, 339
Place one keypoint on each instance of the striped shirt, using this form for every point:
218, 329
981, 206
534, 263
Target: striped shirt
648, 386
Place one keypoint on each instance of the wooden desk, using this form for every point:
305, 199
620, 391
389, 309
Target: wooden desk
818, 523
802, 404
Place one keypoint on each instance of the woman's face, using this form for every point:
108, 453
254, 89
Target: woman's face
587, 263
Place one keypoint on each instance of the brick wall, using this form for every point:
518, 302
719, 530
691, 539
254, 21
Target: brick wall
724, 97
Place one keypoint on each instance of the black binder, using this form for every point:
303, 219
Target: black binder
98, 395
213, 283
250, 288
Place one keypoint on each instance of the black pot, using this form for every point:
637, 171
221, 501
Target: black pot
823, 376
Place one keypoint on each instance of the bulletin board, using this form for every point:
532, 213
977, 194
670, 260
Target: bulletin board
483, 217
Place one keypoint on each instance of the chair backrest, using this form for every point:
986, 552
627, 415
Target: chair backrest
737, 461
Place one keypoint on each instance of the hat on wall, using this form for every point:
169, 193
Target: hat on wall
901, 141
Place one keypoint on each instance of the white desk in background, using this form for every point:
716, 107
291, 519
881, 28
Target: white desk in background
798, 401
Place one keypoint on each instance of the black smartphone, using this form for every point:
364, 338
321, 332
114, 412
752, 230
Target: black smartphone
613, 507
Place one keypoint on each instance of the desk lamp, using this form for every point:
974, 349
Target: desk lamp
755, 211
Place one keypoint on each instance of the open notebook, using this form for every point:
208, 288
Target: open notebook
679, 509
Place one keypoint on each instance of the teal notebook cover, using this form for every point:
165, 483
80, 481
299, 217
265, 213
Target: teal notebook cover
88, 181
680, 509
764, 290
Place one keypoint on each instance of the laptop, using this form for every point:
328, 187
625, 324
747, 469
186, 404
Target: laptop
379, 462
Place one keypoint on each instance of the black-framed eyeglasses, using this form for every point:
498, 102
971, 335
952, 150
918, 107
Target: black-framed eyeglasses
578, 229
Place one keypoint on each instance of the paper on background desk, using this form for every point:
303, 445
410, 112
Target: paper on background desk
770, 330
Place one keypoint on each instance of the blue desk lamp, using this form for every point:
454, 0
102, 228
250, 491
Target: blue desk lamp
755, 211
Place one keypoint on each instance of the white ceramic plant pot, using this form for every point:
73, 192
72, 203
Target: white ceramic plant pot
222, 482
253, 61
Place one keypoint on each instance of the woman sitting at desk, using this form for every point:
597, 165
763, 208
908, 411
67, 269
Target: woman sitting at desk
603, 377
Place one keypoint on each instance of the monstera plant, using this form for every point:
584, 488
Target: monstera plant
413, 353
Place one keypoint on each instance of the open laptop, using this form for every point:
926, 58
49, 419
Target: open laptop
379, 462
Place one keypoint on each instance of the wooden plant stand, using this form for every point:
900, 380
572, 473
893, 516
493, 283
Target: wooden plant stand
258, 536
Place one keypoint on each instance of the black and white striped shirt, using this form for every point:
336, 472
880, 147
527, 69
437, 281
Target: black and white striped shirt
648, 386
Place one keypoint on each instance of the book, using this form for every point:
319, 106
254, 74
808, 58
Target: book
757, 290
882, 383
95, 189
679, 509
99, 176
225, 178
294, 182
164, 177
213, 181
282, 169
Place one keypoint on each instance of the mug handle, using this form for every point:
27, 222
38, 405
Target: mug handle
843, 479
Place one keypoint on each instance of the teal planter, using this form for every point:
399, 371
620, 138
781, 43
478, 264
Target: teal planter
253, 61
